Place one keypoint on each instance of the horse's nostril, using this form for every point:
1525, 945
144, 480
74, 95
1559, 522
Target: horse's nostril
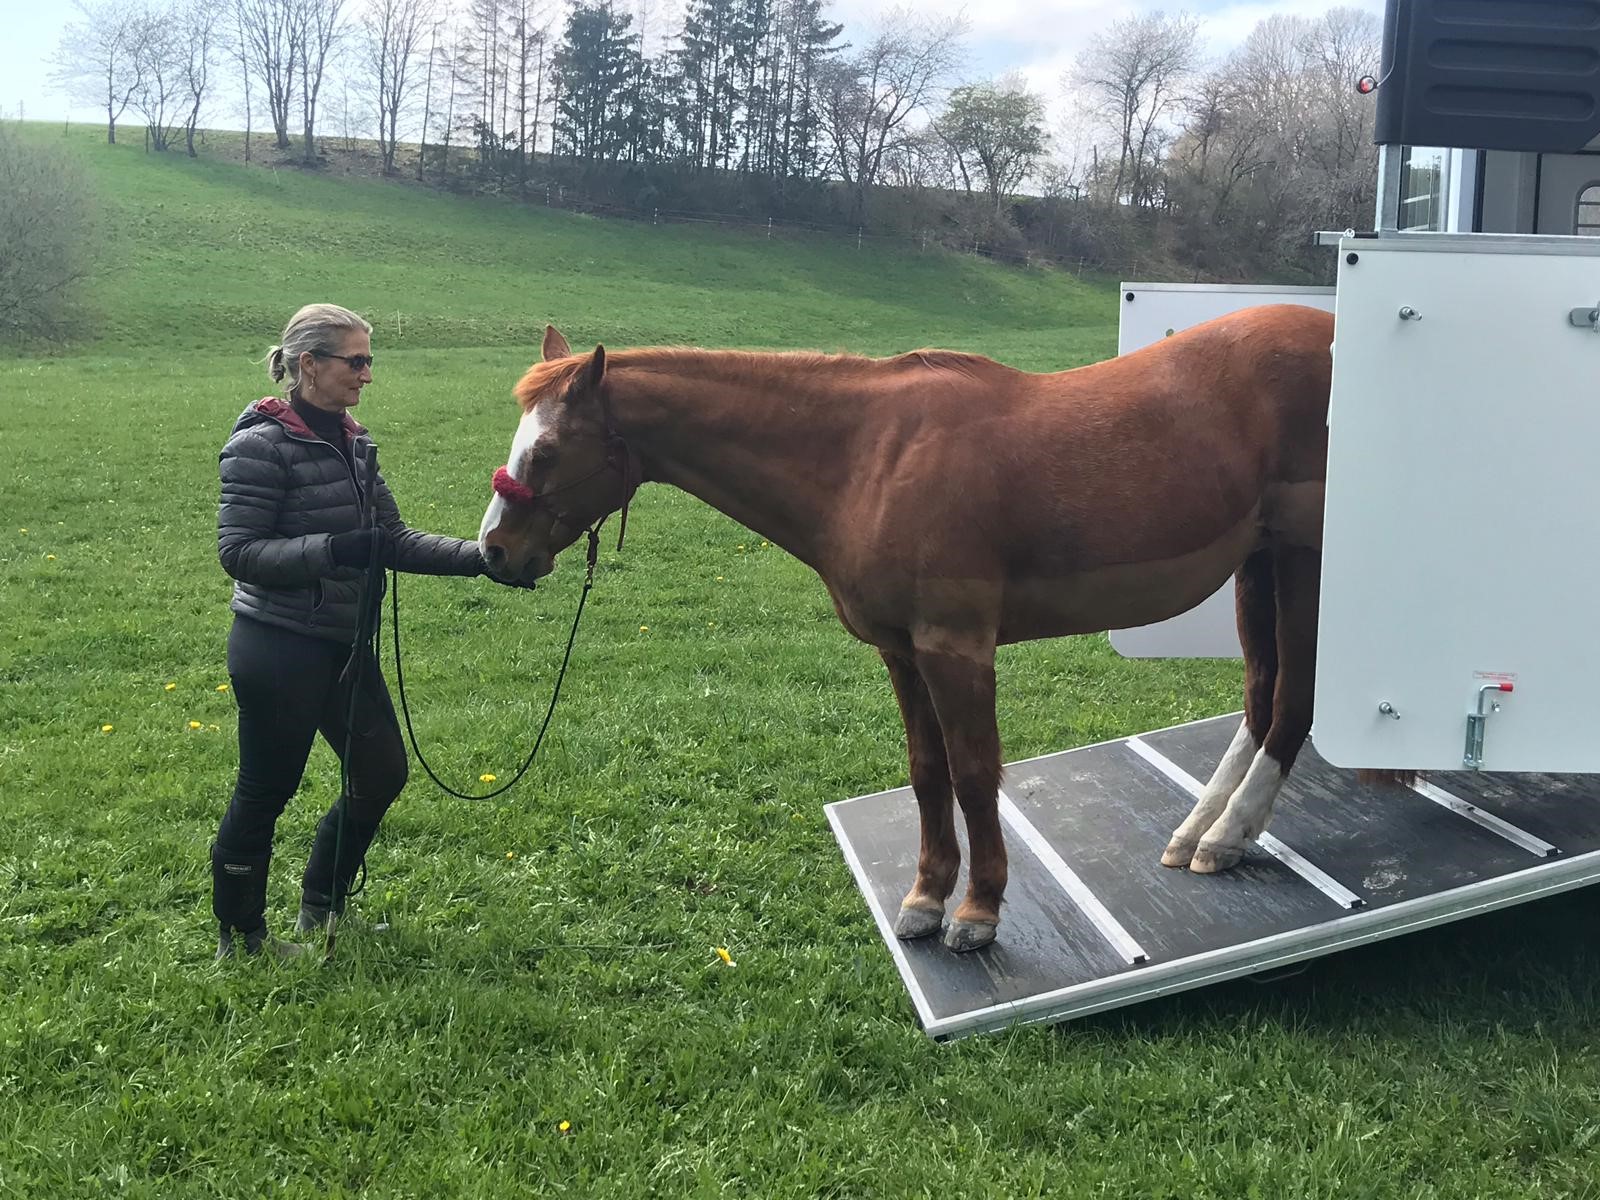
495, 556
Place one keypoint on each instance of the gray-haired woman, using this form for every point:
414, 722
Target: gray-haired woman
295, 532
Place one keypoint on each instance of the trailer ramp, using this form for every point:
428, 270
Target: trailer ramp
1092, 921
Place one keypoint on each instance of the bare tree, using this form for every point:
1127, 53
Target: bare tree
319, 27
160, 93
427, 96
98, 57
1135, 73
869, 97
239, 48
394, 30
271, 31
197, 35
1277, 144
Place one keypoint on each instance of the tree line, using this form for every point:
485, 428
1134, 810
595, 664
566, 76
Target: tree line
774, 108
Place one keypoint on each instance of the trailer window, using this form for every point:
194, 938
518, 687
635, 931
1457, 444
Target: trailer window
1587, 223
1423, 184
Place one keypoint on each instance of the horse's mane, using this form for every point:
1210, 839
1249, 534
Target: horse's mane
543, 377
957, 361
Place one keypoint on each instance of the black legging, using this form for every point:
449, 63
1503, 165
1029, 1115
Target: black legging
287, 686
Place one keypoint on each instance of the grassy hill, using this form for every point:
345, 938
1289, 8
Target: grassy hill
527, 998
208, 255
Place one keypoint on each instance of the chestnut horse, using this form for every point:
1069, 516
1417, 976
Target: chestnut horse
951, 504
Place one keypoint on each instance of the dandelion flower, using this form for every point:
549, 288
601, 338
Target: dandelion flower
510, 854
741, 545
170, 687
22, 531
49, 558
565, 1126
222, 687
213, 728
106, 728
486, 777
727, 959
644, 629
194, 724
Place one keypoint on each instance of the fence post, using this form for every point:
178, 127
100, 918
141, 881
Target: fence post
769, 228
858, 237
655, 216
397, 331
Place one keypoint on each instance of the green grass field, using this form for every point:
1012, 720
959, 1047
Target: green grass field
546, 1013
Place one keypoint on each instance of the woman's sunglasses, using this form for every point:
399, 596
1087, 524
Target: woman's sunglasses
357, 362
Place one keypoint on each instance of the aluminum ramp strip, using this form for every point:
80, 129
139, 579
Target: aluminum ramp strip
1110, 928
1517, 837
1105, 815
1315, 876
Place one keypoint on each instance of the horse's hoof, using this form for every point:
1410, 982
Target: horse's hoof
1208, 860
968, 935
1178, 853
917, 923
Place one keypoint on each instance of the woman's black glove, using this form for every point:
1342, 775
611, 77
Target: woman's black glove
353, 548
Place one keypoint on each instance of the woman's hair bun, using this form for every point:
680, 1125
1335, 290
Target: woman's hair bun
275, 367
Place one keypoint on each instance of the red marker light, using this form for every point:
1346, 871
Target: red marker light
1366, 85
1506, 687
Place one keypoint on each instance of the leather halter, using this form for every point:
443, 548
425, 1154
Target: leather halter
513, 491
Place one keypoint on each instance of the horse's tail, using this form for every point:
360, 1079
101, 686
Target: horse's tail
1371, 777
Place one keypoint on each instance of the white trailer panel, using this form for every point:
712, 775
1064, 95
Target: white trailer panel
1461, 549
1150, 312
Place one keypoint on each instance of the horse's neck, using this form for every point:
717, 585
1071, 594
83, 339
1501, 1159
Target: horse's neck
759, 442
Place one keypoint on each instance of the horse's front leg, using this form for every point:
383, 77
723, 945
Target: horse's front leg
962, 688
939, 859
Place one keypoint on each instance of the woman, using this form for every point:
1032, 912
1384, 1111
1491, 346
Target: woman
296, 533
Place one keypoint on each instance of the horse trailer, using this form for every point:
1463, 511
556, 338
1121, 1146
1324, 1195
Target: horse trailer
1457, 576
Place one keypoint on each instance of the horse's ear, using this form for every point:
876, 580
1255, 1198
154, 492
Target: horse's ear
596, 370
555, 346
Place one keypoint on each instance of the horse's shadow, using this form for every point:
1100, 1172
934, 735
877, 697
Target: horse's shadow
1533, 965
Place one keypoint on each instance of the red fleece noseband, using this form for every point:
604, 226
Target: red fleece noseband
510, 489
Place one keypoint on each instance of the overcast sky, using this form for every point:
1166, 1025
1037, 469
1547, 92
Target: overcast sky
1039, 38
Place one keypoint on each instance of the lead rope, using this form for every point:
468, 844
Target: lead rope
400, 678
368, 620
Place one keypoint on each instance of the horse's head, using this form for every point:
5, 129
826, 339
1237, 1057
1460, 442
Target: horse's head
567, 469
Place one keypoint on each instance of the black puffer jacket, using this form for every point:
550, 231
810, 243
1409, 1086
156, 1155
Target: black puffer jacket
285, 492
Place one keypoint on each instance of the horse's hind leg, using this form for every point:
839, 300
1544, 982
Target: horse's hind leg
961, 685
1298, 571
939, 859
1256, 610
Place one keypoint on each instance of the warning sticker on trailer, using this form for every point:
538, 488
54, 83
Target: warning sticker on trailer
1496, 676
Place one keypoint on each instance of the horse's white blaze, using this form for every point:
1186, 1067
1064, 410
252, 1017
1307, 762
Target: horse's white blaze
528, 431
1230, 772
